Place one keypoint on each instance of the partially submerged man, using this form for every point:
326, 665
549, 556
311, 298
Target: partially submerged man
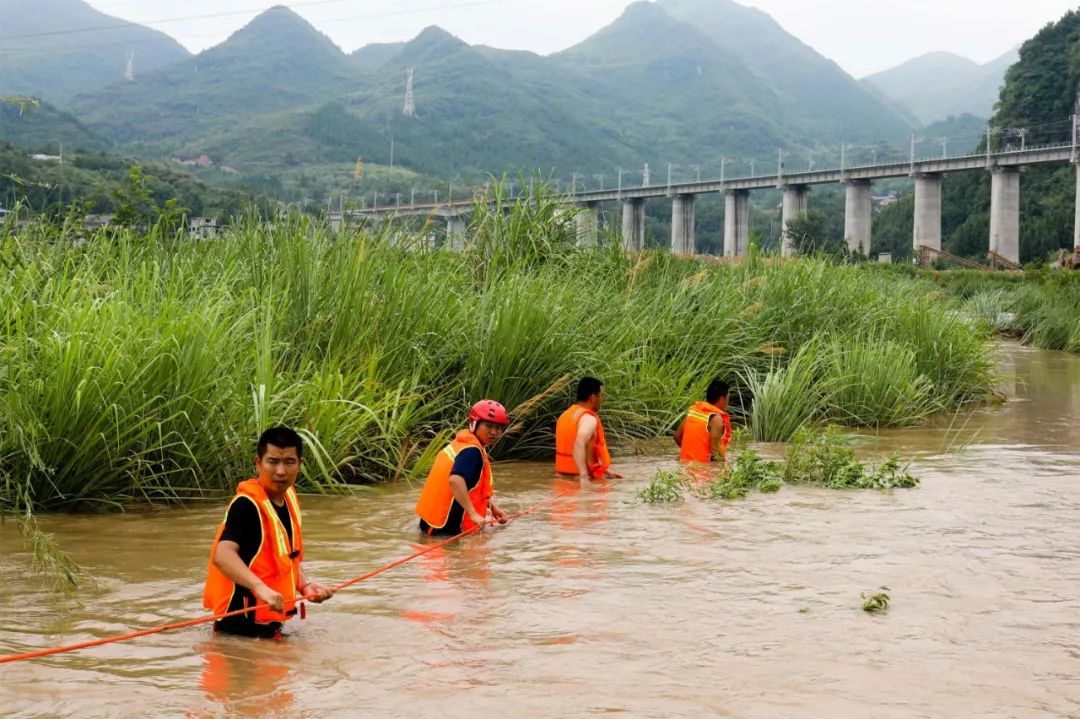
580, 446
705, 433
459, 492
256, 559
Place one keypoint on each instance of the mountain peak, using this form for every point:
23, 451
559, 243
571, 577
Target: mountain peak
282, 29
433, 34
431, 45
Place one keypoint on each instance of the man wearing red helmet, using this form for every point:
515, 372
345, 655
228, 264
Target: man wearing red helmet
458, 492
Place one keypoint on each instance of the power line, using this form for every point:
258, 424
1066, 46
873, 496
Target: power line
232, 13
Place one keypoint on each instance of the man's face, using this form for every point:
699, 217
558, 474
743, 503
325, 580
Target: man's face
599, 398
488, 432
722, 402
278, 469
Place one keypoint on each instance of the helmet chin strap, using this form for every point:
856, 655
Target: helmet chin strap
473, 425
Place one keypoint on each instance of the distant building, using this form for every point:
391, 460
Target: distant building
96, 222
203, 227
885, 200
200, 161
229, 170
46, 158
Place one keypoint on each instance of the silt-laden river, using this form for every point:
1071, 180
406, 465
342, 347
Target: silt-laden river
598, 604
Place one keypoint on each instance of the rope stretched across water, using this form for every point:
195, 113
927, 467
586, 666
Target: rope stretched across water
214, 617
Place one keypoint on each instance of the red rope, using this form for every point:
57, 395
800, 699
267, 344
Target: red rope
214, 617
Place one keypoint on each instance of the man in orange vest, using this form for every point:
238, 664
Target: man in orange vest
580, 446
706, 431
256, 559
458, 492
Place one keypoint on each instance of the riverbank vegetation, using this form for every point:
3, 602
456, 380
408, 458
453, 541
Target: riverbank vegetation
140, 366
1040, 308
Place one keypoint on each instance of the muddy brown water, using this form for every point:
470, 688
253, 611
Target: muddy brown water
598, 604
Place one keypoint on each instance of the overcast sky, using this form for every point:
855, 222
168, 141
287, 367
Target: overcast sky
863, 36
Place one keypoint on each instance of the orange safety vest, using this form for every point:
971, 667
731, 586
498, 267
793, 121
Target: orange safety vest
696, 442
437, 498
277, 563
566, 430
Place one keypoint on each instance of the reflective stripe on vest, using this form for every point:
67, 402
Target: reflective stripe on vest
437, 498
696, 443
276, 562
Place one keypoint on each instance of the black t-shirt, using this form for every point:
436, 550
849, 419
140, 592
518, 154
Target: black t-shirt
243, 525
469, 465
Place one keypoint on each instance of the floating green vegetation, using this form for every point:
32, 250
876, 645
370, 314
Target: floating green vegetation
749, 472
877, 603
826, 459
665, 486
823, 459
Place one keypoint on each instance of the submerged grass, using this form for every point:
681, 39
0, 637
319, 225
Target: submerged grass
140, 366
822, 459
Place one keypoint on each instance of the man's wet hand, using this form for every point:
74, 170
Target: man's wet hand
315, 592
269, 597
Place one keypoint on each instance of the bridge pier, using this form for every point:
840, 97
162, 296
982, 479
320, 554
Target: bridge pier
857, 213
927, 229
794, 207
682, 225
736, 223
1005, 213
588, 224
455, 234
633, 225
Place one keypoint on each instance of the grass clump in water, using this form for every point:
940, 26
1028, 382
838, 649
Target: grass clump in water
876, 603
749, 472
827, 460
665, 486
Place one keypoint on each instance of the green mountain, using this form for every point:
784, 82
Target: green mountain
276, 62
54, 49
372, 56
820, 101
662, 83
939, 84
45, 128
482, 109
672, 91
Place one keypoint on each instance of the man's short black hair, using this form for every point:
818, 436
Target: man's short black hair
282, 437
587, 387
718, 388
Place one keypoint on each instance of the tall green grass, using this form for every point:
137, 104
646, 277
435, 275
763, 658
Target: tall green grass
141, 366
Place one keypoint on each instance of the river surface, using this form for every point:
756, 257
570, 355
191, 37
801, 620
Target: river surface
597, 604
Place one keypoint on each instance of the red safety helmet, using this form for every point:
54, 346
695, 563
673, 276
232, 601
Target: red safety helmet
488, 410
